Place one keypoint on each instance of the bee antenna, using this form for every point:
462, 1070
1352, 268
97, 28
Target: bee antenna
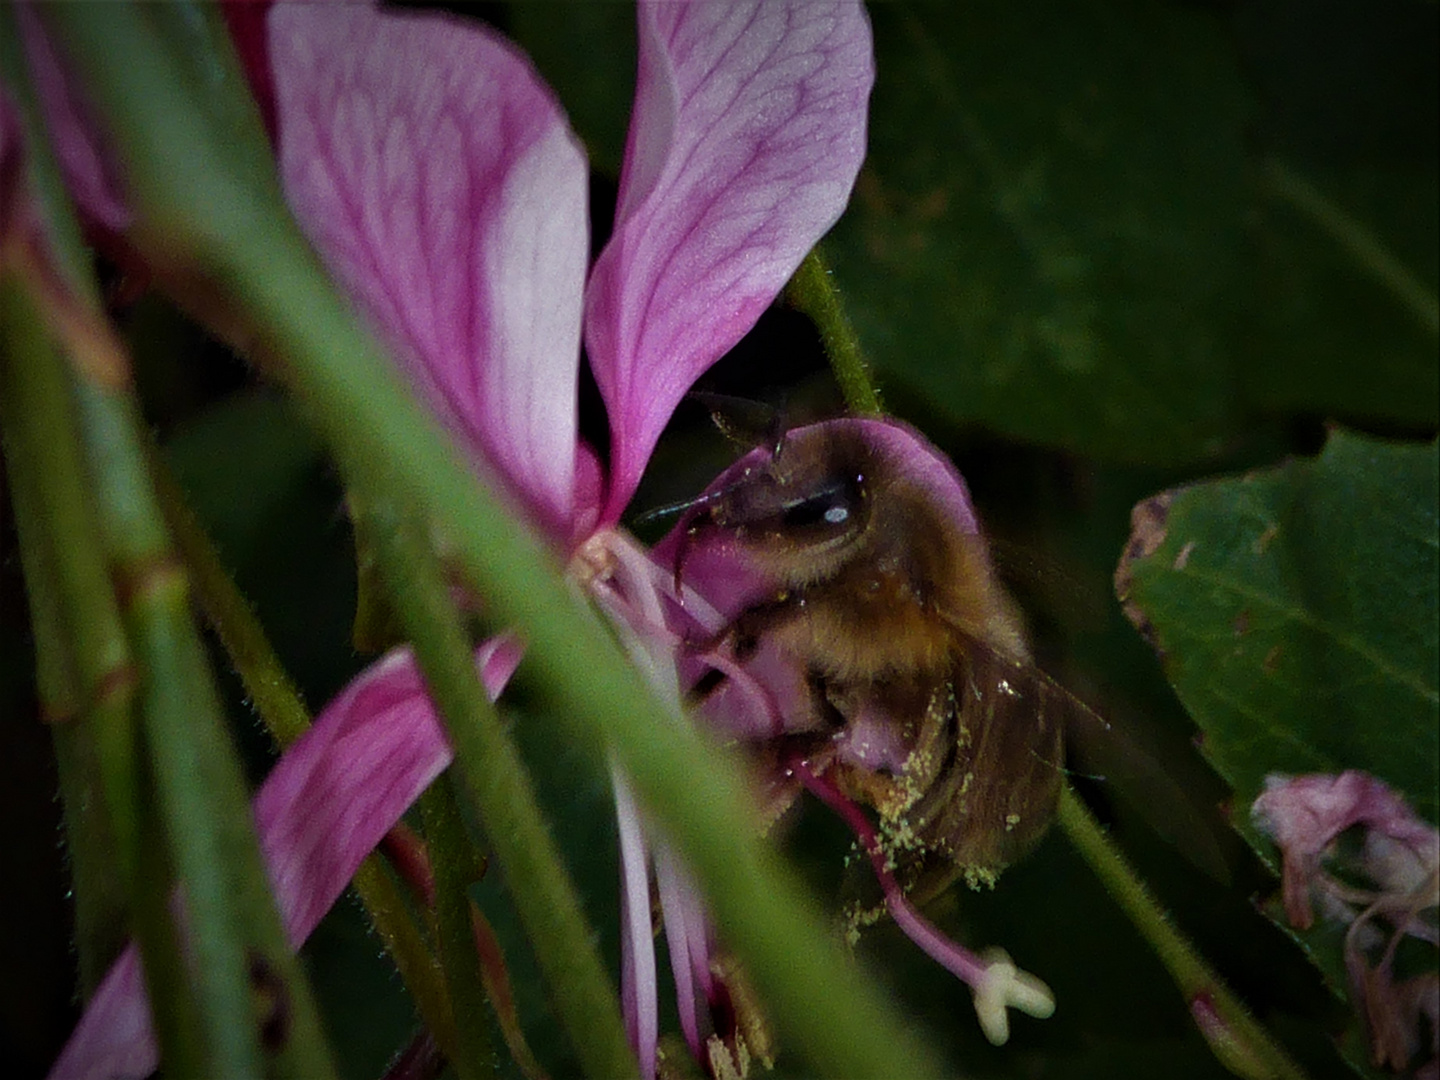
1066, 770
743, 421
670, 509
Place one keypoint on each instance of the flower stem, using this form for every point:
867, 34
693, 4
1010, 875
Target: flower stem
277, 702
492, 777
85, 674
268, 685
1367, 249
243, 969
1235, 1036
237, 1003
457, 866
812, 290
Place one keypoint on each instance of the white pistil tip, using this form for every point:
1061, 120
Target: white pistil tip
1003, 987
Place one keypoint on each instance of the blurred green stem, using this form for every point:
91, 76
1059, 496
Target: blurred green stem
1367, 249
238, 944
493, 779
85, 672
86, 676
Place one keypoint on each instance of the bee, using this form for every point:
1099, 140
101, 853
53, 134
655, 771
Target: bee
919, 696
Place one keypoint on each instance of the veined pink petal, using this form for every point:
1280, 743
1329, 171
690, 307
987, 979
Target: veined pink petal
747, 134
436, 175
89, 173
326, 804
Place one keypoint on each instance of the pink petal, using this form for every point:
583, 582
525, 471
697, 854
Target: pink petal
326, 804
746, 137
436, 175
639, 994
90, 174
687, 936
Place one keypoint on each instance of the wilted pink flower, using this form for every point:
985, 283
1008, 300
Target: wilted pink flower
437, 178
1386, 890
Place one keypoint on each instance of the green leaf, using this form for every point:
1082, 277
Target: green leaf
1048, 234
586, 52
1295, 609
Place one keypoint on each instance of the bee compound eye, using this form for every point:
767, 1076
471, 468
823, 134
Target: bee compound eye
828, 508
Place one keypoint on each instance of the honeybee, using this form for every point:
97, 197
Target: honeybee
919, 696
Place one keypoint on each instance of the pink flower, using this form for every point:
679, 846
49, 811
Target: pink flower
437, 178
1398, 861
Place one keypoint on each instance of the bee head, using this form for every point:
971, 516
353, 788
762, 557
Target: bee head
800, 509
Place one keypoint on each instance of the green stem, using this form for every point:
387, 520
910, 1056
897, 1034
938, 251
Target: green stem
249, 1007
400, 933
457, 866
268, 685
277, 702
494, 781
86, 677
813, 291
254, 1004
179, 1029
1367, 249
1236, 1037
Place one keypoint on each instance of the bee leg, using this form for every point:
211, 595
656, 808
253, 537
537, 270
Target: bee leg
745, 630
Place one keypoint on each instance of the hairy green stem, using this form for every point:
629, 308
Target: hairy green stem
216, 231
277, 702
384, 902
243, 972
86, 675
247, 1005
457, 866
268, 685
1236, 1037
813, 291
492, 777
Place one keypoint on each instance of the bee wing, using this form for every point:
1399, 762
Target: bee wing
1124, 766
1183, 812
995, 790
